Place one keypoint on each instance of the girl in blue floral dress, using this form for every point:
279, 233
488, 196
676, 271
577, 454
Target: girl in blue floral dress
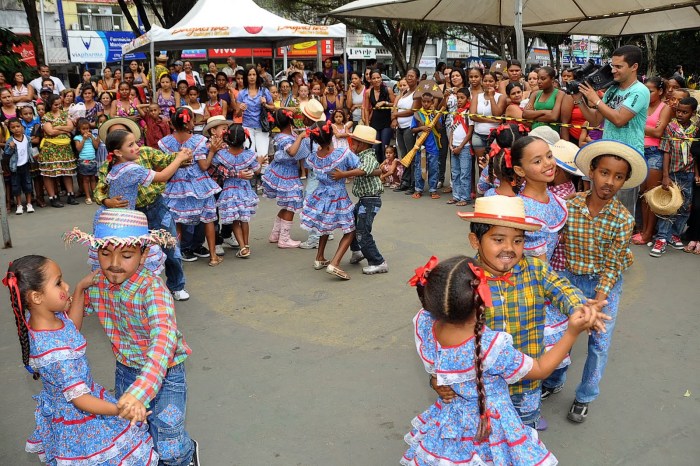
479, 426
281, 180
237, 201
533, 162
329, 207
190, 193
124, 178
77, 420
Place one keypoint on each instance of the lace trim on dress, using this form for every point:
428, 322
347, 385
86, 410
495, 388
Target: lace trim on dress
59, 354
327, 164
78, 390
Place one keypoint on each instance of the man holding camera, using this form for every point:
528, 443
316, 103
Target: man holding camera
624, 105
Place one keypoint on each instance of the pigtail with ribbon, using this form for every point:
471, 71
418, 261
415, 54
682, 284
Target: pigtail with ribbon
481, 285
421, 273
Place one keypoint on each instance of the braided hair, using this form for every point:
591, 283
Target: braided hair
516, 157
320, 133
449, 295
29, 273
114, 141
504, 136
236, 136
181, 117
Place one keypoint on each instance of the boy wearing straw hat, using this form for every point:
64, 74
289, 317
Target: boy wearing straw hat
520, 286
596, 241
368, 188
138, 315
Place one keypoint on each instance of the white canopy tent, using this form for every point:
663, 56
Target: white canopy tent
589, 17
219, 23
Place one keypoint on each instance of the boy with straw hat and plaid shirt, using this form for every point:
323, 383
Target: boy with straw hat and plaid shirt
137, 313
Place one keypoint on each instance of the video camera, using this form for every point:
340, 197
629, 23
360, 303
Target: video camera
598, 77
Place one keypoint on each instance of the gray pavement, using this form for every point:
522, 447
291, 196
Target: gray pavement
292, 367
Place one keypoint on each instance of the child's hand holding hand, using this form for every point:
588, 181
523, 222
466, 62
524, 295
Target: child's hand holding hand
131, 408
216, 143
445, 392
337, 175
188, 159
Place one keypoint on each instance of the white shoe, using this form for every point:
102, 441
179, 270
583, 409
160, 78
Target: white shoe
356, 257
219, 250
181, 295
309, 245
30, 209
19, 210
372, 269
231, 242
331, 237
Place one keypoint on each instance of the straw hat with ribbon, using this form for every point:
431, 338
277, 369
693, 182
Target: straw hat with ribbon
503, 211
594, 149
664, 202
564, 153
130, 126
213, 122
313, 110
366, 134
121, 227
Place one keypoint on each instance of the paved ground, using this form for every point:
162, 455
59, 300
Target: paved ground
291, 367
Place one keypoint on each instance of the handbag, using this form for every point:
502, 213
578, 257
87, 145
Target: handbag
265, 125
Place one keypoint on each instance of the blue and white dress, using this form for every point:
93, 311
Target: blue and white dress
552, 215
444, 433
238, 200
328, 207
190, 192
124, 180
281, 180
65, 435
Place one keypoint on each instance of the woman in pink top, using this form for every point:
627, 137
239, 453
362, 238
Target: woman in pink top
658, 116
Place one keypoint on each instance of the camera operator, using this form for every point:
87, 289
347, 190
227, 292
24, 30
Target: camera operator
624, 106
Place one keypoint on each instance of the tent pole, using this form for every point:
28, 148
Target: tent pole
153, 69
274, 59
345, 60
285, 66
319, 58
519, 36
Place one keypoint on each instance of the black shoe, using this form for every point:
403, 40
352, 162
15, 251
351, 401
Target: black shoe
54, 202
195, 455
400, 188
547, 392
201, 252
578, 412
71, 200
409, 192
188, 256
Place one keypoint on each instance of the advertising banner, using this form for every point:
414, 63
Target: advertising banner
100, 46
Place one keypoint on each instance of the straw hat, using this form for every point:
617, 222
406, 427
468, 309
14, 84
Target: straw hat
606, 147
547, 134
162, 57
121, 227
130, 126
429, 86
213, 122
366, 134
503, 211
499, 66
664, 202
565, 152
313, 109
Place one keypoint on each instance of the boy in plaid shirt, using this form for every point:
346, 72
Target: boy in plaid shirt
678, 168
519, 286
137, 313
596, 240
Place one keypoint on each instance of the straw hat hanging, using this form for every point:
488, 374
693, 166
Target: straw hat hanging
664, 202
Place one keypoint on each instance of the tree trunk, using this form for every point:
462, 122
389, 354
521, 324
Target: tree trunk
155, 11
141, 10
652, 41
418, 41
129, 19
35, 30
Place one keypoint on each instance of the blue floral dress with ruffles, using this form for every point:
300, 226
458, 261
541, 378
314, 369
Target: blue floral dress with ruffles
444, 433
281, 180
238, 200
65, 435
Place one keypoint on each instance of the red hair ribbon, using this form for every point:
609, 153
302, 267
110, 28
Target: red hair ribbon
488, 414
327, 127
10, 281
172, 109
495, 149
110, 157
522, 128
287, 113
270, 118
421, 274
314, 131
505, 278
185, 116
246, 132
482, 289
506, 155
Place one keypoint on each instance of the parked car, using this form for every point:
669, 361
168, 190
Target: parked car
390, 83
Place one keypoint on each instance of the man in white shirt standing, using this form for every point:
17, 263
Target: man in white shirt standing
231, 68
45, 73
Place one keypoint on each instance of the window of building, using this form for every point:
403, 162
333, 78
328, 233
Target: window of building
100, 17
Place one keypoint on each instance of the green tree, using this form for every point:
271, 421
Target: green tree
553, 42
10, 61
34, 29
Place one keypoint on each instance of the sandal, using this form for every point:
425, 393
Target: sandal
462, 203
691, 246
434, 196
318, 265
447, 190
243, 255
638, 240
697, 249
338, 272
451, 201
416, 195
214, 262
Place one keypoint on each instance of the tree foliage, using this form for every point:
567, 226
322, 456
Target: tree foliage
34, 30
10, 61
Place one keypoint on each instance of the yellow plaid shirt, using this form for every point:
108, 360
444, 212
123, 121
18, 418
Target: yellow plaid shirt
519, 307
149, 158
598, 245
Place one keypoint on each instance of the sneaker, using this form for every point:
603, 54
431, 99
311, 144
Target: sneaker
54, 202
181, 295
372, 269
542, 424
71, 200
231, 242
331, 237
357, 256
547, 392
658, 248
195, 454
30, 209
201, 252
219, 250
676, 242
188, 256
309, 245
20, 210
578, 412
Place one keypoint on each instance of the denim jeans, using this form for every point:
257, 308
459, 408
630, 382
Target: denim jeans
598, 343
159, 217
444, 149
405, 140
167, 422
193, 237
432, 165
674, 225
528, 405
365, 210
654, 158
461, 166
